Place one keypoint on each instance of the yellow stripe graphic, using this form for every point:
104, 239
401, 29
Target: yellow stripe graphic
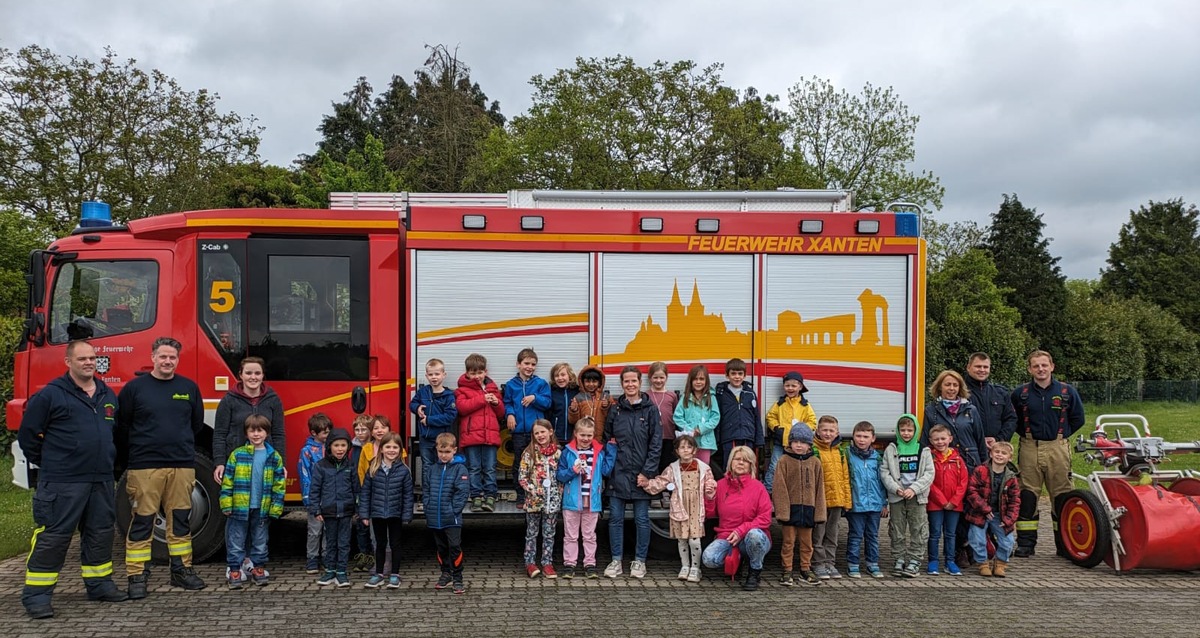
339, 397
578, 317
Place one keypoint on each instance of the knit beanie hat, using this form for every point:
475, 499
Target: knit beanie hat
802, 433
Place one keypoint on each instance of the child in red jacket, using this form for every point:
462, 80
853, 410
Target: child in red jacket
945, 497
993, 504
480, 411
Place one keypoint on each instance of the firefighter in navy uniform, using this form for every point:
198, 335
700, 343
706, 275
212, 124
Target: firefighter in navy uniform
67, 431
1048, 413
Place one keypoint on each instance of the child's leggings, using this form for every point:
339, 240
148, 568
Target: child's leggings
689, 552
540, 524
387, 535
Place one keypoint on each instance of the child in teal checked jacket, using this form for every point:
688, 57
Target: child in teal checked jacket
251, 494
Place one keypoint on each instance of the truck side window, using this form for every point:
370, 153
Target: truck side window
103, 298
222, 303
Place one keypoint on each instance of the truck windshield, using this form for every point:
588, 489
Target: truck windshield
101, 298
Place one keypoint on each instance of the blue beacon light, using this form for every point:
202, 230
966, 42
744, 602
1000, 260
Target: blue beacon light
95, 215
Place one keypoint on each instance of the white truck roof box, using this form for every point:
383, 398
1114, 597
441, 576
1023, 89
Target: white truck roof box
777, 200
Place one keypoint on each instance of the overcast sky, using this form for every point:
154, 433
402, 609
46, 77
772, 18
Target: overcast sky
1086, 110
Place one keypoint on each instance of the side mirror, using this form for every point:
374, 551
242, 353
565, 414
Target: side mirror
358, 399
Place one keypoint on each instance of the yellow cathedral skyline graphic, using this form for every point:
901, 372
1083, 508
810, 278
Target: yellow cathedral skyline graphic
689, 333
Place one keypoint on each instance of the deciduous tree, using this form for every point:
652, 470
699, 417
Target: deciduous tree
73, 129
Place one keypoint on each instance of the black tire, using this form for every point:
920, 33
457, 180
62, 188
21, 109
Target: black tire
1083, 529
207, 523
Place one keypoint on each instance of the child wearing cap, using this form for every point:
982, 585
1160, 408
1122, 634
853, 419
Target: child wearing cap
799, 501
790, 410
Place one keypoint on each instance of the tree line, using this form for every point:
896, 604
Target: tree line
74, 129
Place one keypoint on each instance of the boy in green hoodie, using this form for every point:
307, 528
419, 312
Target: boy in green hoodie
907, 472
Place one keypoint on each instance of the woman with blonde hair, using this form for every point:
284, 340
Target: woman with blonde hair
743, 511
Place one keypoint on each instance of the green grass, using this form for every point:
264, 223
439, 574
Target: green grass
16, 517
1175, 422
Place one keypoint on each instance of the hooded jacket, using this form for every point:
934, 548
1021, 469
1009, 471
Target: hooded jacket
478, 420
691, 416
517, 389
446, 494
559, 412
965, 425
594, 404
891, 470
311, 454
866, 488
740, 505
979, 492
387, 494
229, 426
334, 486
69, 434
236, 487
639, 444
837, 473
538, 476
799, 490
739, 415
949, 481
604, 457
441, 412
784, 413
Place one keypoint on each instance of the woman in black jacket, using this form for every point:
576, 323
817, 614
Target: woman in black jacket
633, 423
250, 396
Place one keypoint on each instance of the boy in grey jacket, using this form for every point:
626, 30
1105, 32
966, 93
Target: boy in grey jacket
907, 473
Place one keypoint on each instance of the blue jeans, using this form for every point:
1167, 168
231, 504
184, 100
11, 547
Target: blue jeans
238, 532
864, 532
428, 459
754, 548
520, 441
943, 524
337, 542
977, 539
481, 465
616, 527
769, 476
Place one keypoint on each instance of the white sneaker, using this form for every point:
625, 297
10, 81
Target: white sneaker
683, 572
694, 575
614, 569
637, 569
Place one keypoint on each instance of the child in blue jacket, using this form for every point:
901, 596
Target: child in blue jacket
868, 499
331, 499
581, 469
526, 399
385, 504
444, 498
433, 406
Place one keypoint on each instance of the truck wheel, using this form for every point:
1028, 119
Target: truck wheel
207, 523
662, 546
1083, 529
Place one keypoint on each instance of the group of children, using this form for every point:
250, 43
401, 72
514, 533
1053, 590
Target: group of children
557, 428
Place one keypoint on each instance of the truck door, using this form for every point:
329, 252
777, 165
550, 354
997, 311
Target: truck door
308, 316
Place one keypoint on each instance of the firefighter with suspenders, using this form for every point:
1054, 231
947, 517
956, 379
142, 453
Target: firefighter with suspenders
67, 431
1048, 413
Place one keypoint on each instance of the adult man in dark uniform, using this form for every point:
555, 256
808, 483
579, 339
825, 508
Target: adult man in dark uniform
161, 413
67, 431
992, 400
1048, 413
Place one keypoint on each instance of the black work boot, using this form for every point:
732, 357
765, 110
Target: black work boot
137, 586
40, 611
109, 595
1023, 551
752, 578
186, 578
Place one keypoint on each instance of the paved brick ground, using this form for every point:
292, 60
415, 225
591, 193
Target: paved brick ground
1044, 596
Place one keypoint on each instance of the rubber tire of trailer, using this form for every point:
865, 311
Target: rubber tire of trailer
1084, 509
207, 523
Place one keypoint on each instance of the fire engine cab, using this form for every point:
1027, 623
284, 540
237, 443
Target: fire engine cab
346, 305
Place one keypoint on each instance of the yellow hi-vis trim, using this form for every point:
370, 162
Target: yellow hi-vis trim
179, 549
1027, 526
41, 579
97, 571
33, 543
137, 555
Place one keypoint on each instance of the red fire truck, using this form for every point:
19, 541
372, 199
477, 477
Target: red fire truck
347, 304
